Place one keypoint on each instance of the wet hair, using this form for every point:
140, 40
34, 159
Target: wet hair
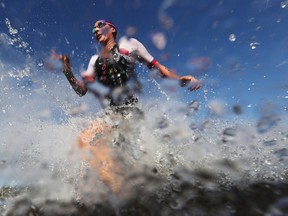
113, 26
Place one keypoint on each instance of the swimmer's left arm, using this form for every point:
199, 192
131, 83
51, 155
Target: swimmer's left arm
184, 80
188, 80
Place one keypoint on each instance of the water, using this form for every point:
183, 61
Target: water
180, 164
183, 158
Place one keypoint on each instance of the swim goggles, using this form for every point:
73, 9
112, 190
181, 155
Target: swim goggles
101, 24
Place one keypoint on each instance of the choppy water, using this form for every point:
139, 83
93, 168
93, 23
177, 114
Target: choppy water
171, 169
175, 162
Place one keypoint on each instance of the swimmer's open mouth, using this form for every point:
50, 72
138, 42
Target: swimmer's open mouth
98, 36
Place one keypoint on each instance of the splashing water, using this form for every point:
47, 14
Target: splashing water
254, 45
232, 37
174, 159
284, 4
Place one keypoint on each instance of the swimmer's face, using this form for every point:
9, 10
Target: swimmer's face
104, 31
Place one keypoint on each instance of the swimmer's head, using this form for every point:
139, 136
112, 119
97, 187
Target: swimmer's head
102, 24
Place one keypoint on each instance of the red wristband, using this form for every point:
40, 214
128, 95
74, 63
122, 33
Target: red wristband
152, 63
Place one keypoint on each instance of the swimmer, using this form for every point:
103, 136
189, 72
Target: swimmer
114, 68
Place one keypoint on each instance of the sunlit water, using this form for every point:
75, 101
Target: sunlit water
176, 161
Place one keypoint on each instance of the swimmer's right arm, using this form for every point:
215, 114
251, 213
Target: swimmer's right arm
78, 86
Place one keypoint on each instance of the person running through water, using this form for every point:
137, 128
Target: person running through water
114, 67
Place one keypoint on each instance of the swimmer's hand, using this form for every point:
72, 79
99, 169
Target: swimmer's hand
63, 58
190, 81
66, 63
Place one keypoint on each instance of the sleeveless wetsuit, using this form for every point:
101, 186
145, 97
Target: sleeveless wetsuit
115, 70
119, 68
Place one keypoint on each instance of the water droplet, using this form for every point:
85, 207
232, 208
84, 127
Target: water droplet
12, 31
163, 123
266, 123
193, 126
251, 20
254, 45
228, 135
281, 152
237, 109
194, 105
270, 143
229, 132
284, 4
232, 37
268, 162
